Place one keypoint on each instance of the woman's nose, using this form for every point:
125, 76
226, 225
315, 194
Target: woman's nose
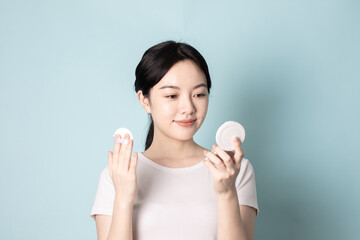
187, 105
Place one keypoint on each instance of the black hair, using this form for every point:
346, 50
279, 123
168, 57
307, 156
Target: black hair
156, 62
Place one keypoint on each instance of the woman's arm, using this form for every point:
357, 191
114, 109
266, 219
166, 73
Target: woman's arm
119, 226
233, 224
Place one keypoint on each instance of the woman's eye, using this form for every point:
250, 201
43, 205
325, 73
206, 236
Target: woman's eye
171, 96
200, 95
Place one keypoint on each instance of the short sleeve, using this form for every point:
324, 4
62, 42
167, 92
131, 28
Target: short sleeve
105, 195
246, 186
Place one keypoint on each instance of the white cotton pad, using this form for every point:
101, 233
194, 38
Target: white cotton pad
122, 132
226, 132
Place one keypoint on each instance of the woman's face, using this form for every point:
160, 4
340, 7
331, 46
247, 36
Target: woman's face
179, 97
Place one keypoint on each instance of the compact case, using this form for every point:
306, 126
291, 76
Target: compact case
226, 132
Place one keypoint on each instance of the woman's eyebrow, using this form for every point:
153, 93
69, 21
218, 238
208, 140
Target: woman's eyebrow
176, 87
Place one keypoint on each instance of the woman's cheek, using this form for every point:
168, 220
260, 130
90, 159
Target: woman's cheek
167, 107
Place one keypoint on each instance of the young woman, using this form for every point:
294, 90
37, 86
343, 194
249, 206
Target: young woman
170, 191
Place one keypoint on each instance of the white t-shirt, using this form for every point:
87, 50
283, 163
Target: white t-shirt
174, 203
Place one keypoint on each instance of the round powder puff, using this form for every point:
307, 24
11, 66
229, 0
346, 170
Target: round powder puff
226, 132
122, 132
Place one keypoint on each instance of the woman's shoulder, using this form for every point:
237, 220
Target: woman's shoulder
105, 175
246, 165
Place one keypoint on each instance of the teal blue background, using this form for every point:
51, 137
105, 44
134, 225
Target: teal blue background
288, 71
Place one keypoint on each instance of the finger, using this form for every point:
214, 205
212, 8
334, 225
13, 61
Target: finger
133, 162
216, 161
117, 147
127, 154
228, 161
122, 158
212, 168
239, 154
110, 159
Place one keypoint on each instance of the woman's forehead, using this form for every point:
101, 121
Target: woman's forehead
184, 74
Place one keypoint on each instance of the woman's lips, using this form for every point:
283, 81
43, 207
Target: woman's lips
186, 123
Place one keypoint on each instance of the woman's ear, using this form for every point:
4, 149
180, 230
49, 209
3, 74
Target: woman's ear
145, 102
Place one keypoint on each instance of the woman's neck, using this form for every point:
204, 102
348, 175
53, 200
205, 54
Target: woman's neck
164, 148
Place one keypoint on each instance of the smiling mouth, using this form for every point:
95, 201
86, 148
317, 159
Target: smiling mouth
186, 123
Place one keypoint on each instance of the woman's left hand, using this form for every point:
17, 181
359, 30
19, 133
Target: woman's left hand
224, 167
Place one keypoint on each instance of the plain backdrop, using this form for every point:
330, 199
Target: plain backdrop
288, 71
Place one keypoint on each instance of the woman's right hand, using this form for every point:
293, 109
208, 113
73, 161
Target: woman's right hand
123, 171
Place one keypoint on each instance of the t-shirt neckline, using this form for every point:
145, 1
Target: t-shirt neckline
168, 169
